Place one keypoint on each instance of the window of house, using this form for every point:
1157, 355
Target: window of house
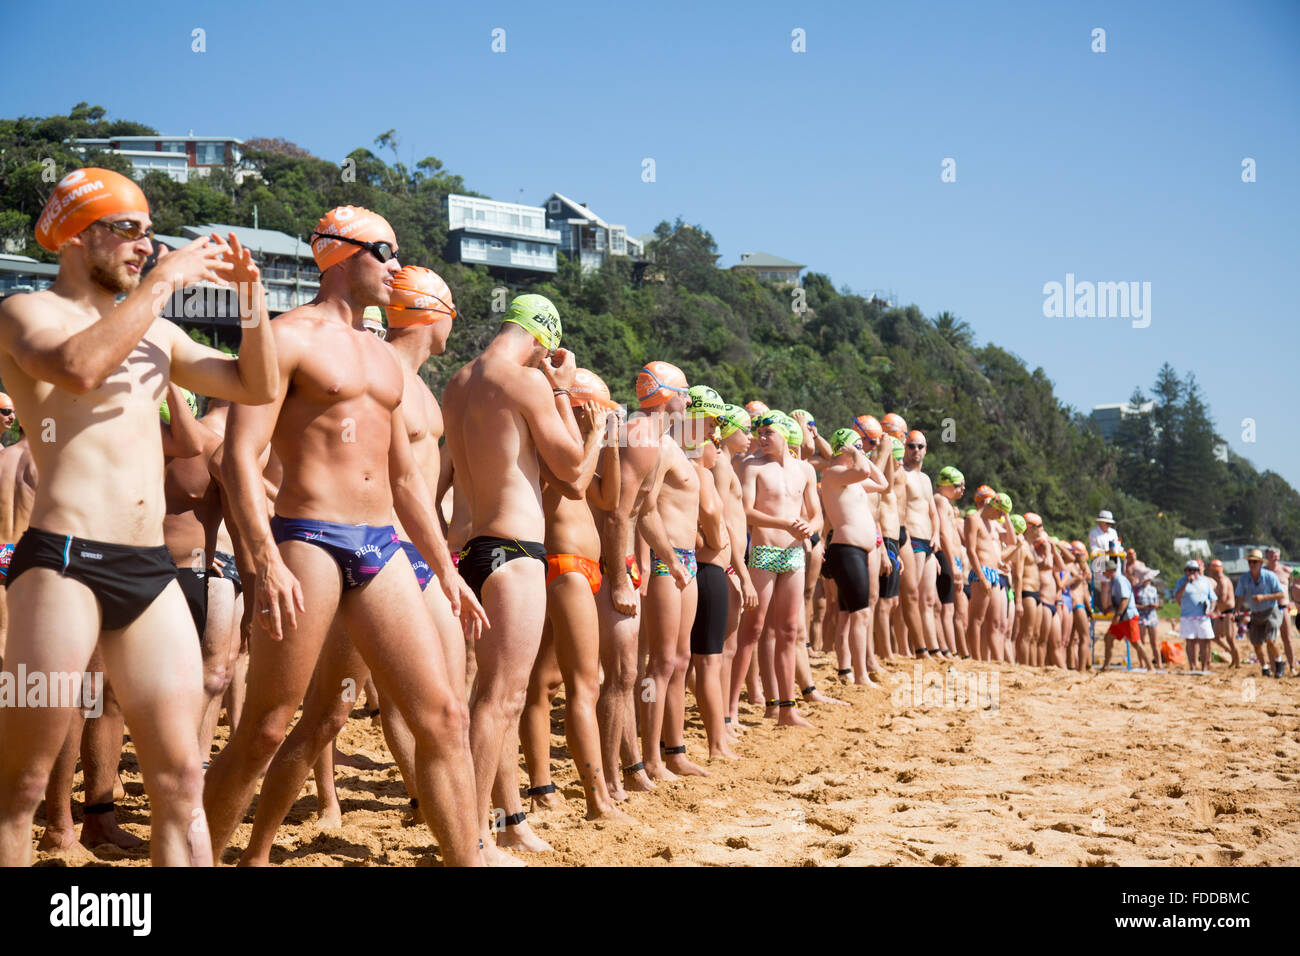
553, 207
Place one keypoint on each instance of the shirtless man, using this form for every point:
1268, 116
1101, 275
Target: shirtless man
669, 608
508, 413
733, 431
1047, 556
989, 541
920, 597
571, 640
778, 490
1225, 628
221, 644
707, 637
1078, 575
92, 566
952, 561
420, 316
17, 494
331, 552
888, 456
662, 392
845, 486
1027, 583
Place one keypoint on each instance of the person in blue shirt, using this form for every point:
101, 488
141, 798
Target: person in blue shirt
1260, 591
1196, 596
1125, 623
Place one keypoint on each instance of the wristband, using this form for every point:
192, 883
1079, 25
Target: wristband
559, 391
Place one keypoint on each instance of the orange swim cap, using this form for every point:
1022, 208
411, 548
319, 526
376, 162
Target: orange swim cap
1031, 518
984, 494
420, 297
6, 401
914, 436
80, 198
589, 387
351, 222
755, 408
868, 427
894, 425
656, 383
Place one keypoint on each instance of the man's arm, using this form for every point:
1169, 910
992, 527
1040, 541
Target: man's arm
185, 436
603, 492
812, 503
713, 524
251, 378
80, 362
592, 443
635, 466
544, 403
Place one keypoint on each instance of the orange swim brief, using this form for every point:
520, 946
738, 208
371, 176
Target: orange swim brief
557, 564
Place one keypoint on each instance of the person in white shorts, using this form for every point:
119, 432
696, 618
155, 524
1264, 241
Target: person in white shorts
1197, 596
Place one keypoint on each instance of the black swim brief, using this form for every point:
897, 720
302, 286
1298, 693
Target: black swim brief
891, 570
124, 579
194, 585
484, 554
851, 571
228, 573
944, 580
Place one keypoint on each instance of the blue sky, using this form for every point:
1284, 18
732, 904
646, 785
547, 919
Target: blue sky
1115, 166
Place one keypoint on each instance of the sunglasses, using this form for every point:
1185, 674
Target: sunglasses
379, 331
126, 228
915, 445
381, 250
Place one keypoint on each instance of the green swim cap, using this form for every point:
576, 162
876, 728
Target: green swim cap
842, 438
898, 448
1018, 524
538, 316
808, 416
733, 419
704, 402
969, 511
166, 413
950, 476
1003, 503
793, 431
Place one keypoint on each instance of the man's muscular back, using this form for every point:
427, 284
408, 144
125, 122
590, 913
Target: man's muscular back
499, 476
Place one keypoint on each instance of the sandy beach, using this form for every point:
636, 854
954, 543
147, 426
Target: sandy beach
1002, 765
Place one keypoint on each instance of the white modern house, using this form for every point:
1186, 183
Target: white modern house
505, 236
179, 157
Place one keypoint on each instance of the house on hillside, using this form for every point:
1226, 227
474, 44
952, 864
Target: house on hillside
179, 157
509, 238
25, 274
1108, 417
585, 238
764, 265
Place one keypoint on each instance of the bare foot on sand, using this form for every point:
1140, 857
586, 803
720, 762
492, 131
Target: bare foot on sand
638, 781
547, 801
495, 856
817, 697
57, 838
610, 814
522, 839
792, 718
659, 771
678, 764
100, 828
330, 817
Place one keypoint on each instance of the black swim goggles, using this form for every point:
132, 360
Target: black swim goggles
381, 250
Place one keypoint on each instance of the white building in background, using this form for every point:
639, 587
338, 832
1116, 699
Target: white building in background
506, 236
179, 157
1108, 417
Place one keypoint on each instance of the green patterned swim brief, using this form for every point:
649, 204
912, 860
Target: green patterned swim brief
766, 557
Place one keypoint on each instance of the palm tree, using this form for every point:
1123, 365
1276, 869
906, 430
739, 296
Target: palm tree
954, 331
